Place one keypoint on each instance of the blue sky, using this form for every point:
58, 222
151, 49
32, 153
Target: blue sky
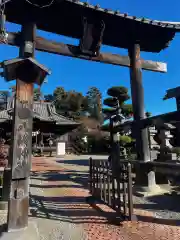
79, 75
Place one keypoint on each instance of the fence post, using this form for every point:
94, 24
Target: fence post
130, 195
101, 178
124, 183
104, 181
97, 178
108, 182
90, 174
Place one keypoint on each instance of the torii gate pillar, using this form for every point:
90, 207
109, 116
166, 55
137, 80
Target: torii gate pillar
144, 179
27, 71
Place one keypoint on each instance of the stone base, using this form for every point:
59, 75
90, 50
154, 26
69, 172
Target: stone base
29, 233
148, 191
3, 205
134, 218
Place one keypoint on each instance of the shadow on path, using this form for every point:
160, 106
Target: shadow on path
70, 209
78, 162
77, 179
71, 205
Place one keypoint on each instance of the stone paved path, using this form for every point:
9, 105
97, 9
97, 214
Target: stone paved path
58, 193
48, 203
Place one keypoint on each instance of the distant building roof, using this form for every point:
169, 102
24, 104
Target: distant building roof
44, 111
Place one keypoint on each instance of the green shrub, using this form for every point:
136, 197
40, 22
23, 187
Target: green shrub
177, 151
124, 140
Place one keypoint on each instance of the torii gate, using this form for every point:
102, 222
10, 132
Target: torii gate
93, 26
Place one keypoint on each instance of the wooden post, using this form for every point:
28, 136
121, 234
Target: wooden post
21, 146
48, 46
141, 135
124, 187
178, 103
101, 178
93, 178
90, 175
108, 182
97, 178
104, 181
130, 196
111, 131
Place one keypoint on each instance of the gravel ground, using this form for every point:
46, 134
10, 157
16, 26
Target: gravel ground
162, 206
3, 217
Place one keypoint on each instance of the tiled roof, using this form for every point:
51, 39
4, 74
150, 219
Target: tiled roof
166, 24
41, 110
121, 29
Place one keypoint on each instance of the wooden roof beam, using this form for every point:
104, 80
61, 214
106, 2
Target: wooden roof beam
173, 93
45, 45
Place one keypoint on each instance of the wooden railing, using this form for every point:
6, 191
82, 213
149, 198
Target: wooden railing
1, 180
114, 188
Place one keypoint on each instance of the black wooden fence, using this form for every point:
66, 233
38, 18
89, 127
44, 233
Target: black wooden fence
114, 188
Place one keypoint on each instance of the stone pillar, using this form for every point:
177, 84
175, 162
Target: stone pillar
164, 155
175, 93
154, 147
164, 137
